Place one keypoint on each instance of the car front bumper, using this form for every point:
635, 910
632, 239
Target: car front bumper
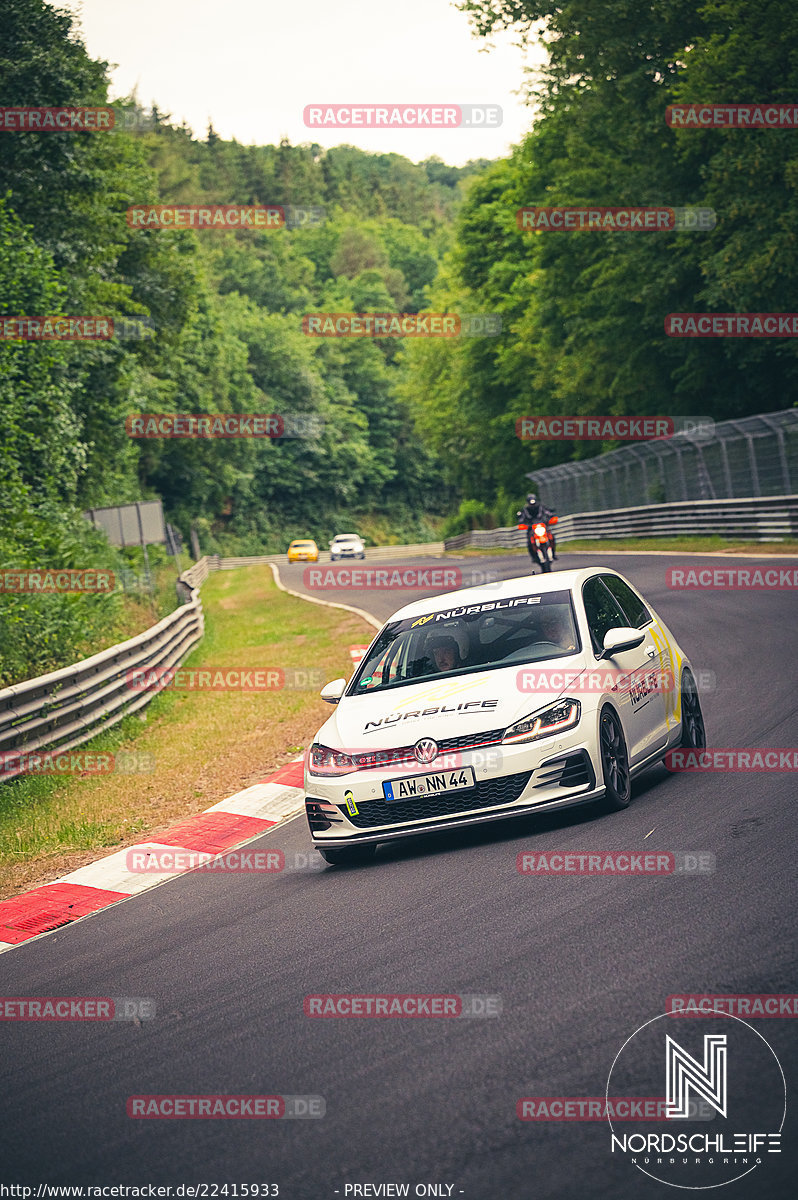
525, 780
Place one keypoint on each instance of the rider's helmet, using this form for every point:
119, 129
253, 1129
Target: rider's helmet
531, 498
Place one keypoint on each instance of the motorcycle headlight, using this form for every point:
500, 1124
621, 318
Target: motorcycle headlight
324, 761
563, 714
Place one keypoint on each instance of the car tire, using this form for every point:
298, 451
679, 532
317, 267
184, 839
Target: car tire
614, 761
348, 856
693, 732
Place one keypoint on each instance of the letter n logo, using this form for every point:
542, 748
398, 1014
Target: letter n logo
683, 1072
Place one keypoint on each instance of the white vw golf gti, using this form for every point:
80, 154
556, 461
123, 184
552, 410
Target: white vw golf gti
535, 693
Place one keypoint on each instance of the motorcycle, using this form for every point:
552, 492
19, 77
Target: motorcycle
539, 543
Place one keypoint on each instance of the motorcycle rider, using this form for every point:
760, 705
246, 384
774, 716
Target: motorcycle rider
532, 512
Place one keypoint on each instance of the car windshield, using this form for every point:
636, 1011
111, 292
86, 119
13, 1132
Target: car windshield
469, 638
346, 537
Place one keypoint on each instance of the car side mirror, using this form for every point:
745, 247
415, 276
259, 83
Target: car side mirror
333, 691
621, 638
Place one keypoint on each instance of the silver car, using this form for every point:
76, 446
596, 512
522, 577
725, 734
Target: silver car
347, 545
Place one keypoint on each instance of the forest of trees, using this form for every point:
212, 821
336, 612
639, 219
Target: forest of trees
409, 429
584, 312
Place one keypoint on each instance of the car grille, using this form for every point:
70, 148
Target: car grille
504, 790
404, 756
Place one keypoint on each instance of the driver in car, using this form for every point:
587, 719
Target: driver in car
446, 654
555, 627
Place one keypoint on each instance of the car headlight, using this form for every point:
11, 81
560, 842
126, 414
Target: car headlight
324, 761
563, 714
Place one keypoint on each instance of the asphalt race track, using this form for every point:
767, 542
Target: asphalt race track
579, 963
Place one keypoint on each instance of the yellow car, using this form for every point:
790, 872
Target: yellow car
303, 550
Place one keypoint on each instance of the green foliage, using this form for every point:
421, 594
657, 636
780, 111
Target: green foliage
40, 632
406, 429
583, 312
472, 514
225, 315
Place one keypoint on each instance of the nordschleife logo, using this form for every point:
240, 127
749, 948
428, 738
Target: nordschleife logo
727, 1072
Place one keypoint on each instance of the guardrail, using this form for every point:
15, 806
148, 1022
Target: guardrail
63, 709
755, 518
417, 550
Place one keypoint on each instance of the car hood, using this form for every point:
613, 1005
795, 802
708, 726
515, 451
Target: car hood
445, 708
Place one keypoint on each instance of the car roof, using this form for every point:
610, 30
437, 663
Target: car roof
340, 536
303, 542
520, 585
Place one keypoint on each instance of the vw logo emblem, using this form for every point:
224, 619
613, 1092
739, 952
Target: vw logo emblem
425, 750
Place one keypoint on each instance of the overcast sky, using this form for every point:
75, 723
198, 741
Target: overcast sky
251, 66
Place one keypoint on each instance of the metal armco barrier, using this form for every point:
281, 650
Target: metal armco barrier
59, 711
754, 519
65, 708
417, 550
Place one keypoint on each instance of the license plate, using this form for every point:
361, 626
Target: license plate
429, 785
